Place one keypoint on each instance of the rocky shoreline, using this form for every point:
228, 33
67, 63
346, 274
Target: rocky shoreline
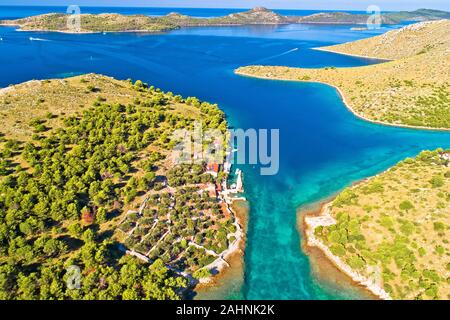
232, 268
242, 71
322, 217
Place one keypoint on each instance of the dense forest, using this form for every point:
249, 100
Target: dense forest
63, 192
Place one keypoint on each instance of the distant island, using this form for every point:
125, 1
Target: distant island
390, 233
87, 181
386, 18
411, 90
111, 22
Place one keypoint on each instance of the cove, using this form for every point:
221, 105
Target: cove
323, 147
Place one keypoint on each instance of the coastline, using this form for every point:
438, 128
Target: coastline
308, 221
230, 274
341, 95
200, 25
333, 23
322, 268
325, 49
142, 31
228, 261
82, 32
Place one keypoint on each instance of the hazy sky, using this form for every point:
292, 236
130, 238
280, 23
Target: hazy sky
288, 4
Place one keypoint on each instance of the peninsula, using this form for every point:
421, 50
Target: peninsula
390, 232
88, 184
411, 90
110, 22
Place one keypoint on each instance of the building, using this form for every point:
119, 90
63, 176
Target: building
212, 169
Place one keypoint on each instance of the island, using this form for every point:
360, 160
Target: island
390, 232
111, 22
411, 88
141, 23
91, 199
387, 18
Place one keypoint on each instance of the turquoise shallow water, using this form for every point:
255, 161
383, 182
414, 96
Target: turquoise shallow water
323, 147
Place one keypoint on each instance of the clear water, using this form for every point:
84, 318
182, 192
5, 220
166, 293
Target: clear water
323, 146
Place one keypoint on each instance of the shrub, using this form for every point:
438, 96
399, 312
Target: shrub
407, 228
346, 197
406, 205
374, 187
437, 181
438, 226
356, 262
338, 249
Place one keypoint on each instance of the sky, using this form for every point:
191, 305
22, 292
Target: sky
385, 5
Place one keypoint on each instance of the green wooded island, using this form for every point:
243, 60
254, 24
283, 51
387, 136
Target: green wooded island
86, 179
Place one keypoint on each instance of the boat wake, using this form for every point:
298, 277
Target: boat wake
275, 56
37, 39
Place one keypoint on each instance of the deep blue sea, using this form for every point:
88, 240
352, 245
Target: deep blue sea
323, 147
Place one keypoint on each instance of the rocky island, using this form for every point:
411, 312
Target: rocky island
411, 90
140, 23
109, 22
386, 18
